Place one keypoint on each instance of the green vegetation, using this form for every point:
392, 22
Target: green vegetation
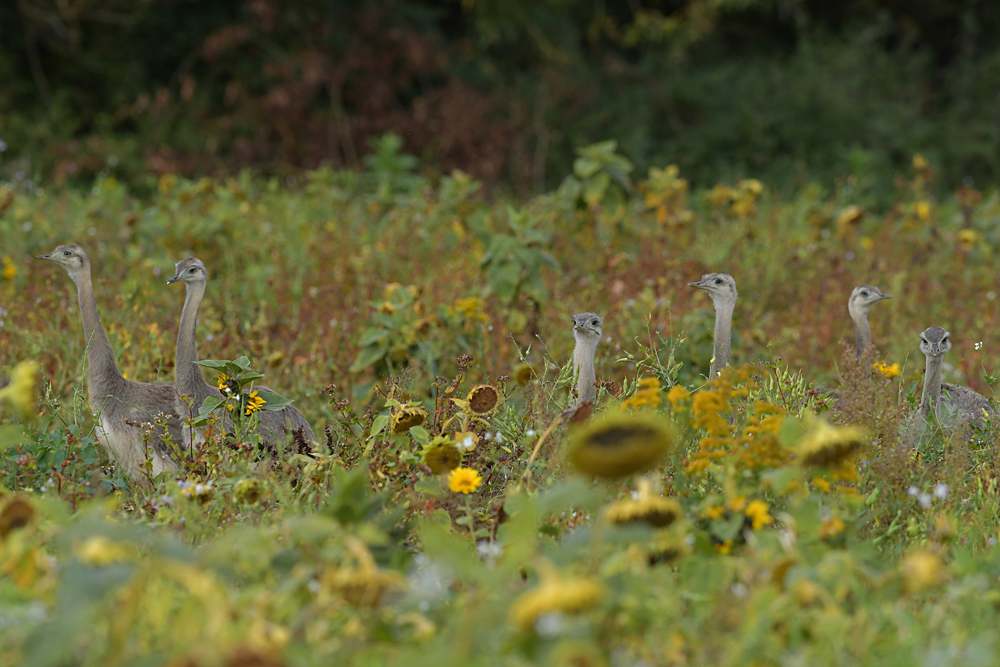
434, 524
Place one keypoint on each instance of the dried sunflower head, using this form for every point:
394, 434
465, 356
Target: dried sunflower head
441, 455
483, 400
15, 512
248, 491
555, 594
619, 444
657, 512
828, 445
406, 418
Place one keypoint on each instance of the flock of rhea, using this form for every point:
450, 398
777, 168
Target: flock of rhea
126, 407
948, 402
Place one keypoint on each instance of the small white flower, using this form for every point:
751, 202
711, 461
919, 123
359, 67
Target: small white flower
468, 442
992, 541
913, 491
530, 433
925, 500
499, 437
228, 390
941, 491
979, 345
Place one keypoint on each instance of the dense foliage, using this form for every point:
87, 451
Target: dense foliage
782, 91
435, 523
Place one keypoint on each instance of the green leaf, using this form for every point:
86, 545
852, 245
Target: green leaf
368, 356
273, 402
10, 436
212, 363
208, 405
380, 423
243, 362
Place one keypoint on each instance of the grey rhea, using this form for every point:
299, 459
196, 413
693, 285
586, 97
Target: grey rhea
722, 288
959, 404
122, 405
862, 299
188, 377
587, 330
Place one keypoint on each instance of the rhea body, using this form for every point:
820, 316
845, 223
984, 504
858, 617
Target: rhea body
862, 299
947, 401
722, 288
122, 405
587, 330
190, 381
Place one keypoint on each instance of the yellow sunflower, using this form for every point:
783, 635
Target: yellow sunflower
619, 444
464, 480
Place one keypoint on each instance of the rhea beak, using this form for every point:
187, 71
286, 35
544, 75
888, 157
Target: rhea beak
885, 296
49, 256
177, 276
698, 285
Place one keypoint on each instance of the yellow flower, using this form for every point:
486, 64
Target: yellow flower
200, 491
714, 512
828, 445
254, 403
923, 210
921, 570
757, 511
471, 307
483, 400
20, 393
822, 484
648, 508
887, 371
849, 216
677, 394
406, 418
867, 243
619, 444
831, 528
15, 512
967, 239
555, 594
725, 548
248, 491
441, 455
647, 393
920, 162
464, 480
99, 551
9, 270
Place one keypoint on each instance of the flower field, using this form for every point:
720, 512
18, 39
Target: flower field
456, 507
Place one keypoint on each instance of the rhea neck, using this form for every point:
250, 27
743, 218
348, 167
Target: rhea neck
862, 332
188, 375
583, 364
723, 335
932, 385
103, 373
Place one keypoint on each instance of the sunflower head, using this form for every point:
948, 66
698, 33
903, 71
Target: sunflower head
15, 512
555, 594
406, 418
828, 445
248, 491
464, 480
483, 400
441, 455
619, 445
647, 508
20, 393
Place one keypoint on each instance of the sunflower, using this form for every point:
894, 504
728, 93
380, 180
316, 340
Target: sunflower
15, 512
555, 594
828, 445
464, 480
619, 445
253, 403
647, 508
248, 491
20, 393
441, 455
483, 400
523, 374
664, 548
407, 417
922, 570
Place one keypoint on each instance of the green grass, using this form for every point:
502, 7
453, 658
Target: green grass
357, 293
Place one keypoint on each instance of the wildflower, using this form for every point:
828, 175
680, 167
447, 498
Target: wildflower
923, 210
822, 484
253, 403
967, 239
913, 491
471, 308
619, 445
831, 528
925, 500
886, 370
99, 551
678, 394
647, 393
200, 491
979, 346
920, 162
849, 216
757, 511
15, 512
647, 508
714, 512
406, 418
9, 270
921, 570
940, 491
867, 243
725, 548
566, 595
464, 480
20, 393
483, 400
248, 491
828, 445
441, 455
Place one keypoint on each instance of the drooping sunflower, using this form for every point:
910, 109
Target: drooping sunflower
828, 445
619, 444
483, 400
567, 595
441, 455
406, 418
248, 491
15, 512
647, 508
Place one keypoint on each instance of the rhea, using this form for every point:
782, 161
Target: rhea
587, 330
959, 404
862, 299
188, 378
722, 288
124, 406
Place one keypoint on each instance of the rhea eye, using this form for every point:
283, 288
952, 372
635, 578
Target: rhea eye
191, 270
67, 253
718, 281
595, 323
864, 293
